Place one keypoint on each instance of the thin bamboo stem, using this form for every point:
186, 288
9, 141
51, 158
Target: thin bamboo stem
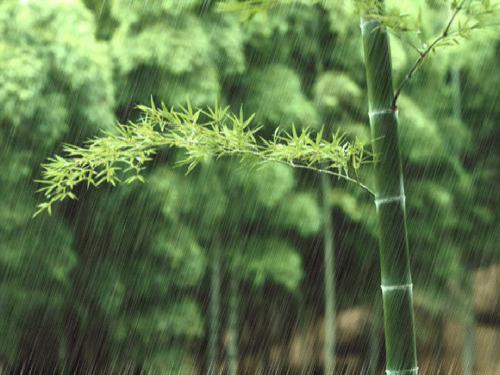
232, 349
214, 309
469, 349
469, 319
329, 280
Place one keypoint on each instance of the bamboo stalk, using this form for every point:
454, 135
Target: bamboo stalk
214, 309
469, 349
232, 350
467, 283
329, 280
397, 295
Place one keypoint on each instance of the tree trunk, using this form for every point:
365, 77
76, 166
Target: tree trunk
214, 309
396, 285
329, 280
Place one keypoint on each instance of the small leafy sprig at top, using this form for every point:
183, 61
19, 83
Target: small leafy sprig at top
466, 16
120, 156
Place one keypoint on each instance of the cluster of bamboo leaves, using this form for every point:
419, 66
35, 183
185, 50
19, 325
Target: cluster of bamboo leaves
466, 16
216, 132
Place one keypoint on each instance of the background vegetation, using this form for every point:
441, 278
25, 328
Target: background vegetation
223, 269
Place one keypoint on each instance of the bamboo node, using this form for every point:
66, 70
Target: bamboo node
392, 288
411, 371
397, 198
383, 112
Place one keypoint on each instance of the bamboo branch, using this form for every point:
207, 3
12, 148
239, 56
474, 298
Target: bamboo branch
425, 53
120, 157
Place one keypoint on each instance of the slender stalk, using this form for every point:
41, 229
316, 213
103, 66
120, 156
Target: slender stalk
468, 357
232, 350
214, 309
397, 295
469, 349
329, 263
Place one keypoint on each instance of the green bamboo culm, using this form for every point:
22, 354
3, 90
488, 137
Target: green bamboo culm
397, 294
